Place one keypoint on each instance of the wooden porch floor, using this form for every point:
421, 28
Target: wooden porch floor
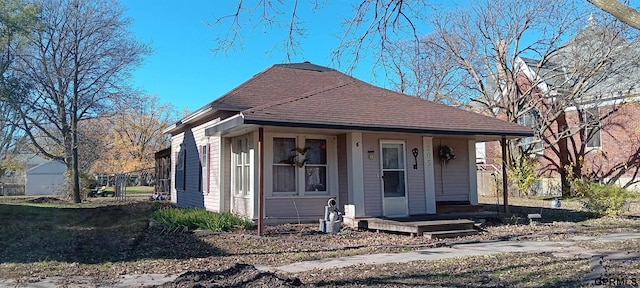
431, 229
445, 225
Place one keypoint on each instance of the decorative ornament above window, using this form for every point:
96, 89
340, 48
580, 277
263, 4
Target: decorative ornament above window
292, 160
446, 154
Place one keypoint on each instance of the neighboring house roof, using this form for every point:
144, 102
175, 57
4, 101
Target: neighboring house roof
593, 46
51, 167
308, 95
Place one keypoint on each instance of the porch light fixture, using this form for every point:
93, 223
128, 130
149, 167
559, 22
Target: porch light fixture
414, 151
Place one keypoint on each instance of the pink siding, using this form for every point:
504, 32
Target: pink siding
226, 182
415, 177
305, 207
371, 171
192, 196
343, 181
212, 198
241, 206
452, 179
372, 182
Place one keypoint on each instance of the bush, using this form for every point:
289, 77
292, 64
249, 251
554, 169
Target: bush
602, 199
176, 219
522, 174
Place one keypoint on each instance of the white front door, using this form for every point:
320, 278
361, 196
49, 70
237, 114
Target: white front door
394, 180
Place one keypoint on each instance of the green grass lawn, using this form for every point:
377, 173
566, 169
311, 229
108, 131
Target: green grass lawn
140, 189
134, 189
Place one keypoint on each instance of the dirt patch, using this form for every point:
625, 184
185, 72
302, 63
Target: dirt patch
51, 200
239, 275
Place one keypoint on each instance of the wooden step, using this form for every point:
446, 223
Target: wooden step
418, 228
449, 233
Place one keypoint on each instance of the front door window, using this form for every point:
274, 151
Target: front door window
394, 180
393, 170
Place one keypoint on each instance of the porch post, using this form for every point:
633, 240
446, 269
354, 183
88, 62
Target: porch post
505, 193
260, 180
473, 173
355, 172
429, 178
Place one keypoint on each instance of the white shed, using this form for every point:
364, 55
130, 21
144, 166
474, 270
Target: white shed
46, 179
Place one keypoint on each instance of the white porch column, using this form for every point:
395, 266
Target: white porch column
429, 179
355, 171
473, 173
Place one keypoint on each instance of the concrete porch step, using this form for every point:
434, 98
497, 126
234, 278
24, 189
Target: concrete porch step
449, 233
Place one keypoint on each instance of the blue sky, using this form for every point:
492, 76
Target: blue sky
184, 71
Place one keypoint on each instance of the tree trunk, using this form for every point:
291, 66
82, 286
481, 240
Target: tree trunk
563, 156
75, 171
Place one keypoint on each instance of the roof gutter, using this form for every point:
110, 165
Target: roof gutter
225, 124
186, 120
508, 134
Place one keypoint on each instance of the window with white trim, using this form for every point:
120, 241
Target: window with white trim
533, 143
592, 128
241, 174
204, 162
300, 166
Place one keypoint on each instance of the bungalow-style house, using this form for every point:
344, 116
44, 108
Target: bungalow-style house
284, 142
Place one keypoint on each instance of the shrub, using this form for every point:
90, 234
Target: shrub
603, 199
522, 174
177, 219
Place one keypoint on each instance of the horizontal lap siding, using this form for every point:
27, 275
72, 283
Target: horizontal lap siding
241, 206
371, 171
212, 198
176, 140
372, 182
343, 180
415, 177
452, 179
294, 207
226, 173
192, 196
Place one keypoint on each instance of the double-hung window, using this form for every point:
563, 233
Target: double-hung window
299, 166
204, 168
530, 119
592, 128
242, 166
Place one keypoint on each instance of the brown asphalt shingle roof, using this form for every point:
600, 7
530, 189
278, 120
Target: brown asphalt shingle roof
307, 95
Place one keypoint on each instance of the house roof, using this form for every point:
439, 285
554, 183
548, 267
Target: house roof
308, 95
593, 46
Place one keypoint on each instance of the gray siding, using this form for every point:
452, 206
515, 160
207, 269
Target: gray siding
452, 179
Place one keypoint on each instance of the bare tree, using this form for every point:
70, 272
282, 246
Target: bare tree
17, 19
78, 65
493, 44
373, 27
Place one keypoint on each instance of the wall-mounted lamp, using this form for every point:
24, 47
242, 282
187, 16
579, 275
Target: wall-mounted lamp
370, 152
414, 151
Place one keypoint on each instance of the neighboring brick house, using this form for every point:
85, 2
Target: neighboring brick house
604, 119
